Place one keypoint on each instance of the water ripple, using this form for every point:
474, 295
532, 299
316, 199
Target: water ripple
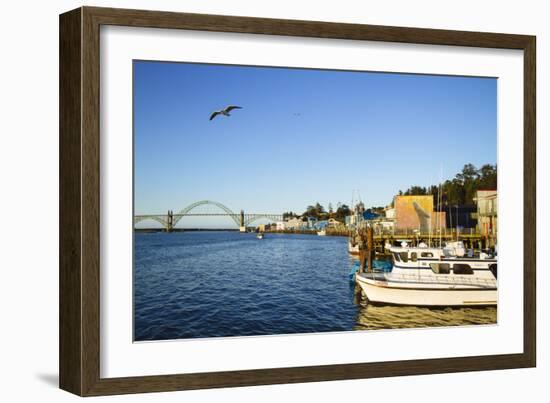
209, 284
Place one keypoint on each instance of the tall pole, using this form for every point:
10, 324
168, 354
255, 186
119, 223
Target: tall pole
366, 249
370, 247
362, 246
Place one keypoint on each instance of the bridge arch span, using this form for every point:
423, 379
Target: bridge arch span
235, 217
270, 217
158, 219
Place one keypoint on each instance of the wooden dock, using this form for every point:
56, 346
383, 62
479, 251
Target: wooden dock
471, 238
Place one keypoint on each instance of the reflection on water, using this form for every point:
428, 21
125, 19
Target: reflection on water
372, 317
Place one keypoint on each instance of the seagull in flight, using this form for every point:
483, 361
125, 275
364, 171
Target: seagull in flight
224, 112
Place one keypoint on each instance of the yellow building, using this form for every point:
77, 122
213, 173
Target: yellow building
264, 227
417, 212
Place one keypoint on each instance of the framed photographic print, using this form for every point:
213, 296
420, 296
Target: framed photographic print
249, 201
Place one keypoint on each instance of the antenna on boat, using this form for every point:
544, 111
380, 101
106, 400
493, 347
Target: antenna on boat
450, 219
457, 222
430, 228
358, 196
439, 200
430, 231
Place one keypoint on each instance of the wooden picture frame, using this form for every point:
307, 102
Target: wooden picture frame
79, 278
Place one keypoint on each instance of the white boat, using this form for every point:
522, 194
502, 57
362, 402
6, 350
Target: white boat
426, 276
260, 236
322, 232
353, 249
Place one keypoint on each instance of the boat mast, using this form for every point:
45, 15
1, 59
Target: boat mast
457, 222
439, 199
430, 233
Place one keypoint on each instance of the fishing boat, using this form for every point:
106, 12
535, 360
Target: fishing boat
377, 266
429, 276
322, 232
353, 249
260, 235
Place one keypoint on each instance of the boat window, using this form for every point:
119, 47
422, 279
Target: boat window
413, 256
441, 268
460, 268
426, 254
404, 257
493, 269
396, 257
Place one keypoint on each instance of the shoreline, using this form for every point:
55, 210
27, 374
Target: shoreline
301, 232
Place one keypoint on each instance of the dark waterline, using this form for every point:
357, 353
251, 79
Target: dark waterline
213, 284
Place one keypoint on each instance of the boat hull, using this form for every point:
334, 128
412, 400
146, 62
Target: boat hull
384, 292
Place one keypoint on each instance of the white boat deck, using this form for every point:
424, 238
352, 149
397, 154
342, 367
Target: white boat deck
414, 280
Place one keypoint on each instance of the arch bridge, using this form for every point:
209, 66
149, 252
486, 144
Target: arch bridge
170, 219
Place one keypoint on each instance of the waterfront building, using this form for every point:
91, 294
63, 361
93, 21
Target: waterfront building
322, 224
461, 216
265, 227
295, 223
486, 214
383, 225
331, 222
416, 212
311, 222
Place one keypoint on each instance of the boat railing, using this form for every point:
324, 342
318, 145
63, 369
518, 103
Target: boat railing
446, 279
446, 233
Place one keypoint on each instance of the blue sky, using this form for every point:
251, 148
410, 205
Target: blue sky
303, 136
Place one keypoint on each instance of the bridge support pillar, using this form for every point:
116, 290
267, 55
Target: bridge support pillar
242, 229
169, 221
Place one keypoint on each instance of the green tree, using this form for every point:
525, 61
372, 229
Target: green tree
317, 211
415, 191
287, 215
468, 174
462, 188
342, 212
488, 177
